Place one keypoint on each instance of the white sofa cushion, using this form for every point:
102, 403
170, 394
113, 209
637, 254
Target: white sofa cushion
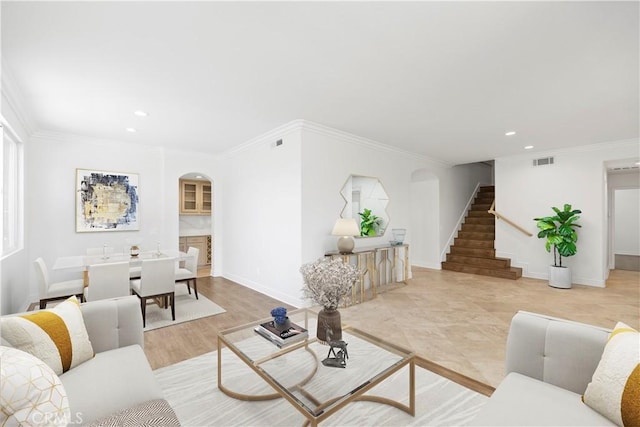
56, 336
524, 401
31, 394
112, 380
615, 389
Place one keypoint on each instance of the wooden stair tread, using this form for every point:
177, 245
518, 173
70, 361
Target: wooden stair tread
487, 262
476, 235
480, 206
473, 249
481, 214
480, 220
478, 228
477, 252
510, 273
472, 243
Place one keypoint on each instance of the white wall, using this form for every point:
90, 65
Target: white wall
440, 198
524, 192
51, 162
617, 180
51, 200
425, 222
329, 157
457, 185
262, 215
627, 222
426, 197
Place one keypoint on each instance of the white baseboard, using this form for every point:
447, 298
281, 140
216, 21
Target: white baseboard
523, 265
247, 283
576, 280
437, 266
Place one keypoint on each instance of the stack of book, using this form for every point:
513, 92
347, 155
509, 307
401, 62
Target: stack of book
279, 336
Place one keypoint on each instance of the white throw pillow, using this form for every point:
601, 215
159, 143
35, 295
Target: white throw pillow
614, 390
31, 394
57, 336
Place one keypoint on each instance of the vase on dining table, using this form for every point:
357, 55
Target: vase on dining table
329, 325
135, 251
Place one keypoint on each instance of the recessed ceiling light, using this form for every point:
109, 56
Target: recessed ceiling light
140, 113
510, 133
528, 147
132, 130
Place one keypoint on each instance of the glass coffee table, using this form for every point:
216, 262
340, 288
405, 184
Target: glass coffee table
296, 373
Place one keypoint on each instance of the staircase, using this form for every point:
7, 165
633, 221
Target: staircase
472, 251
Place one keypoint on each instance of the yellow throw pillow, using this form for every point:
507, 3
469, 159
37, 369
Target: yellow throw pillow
30, 393
57, 336
614, 390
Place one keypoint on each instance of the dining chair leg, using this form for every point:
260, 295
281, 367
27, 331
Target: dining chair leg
43, 304
195, 287
173, 305
143, 307
188, 286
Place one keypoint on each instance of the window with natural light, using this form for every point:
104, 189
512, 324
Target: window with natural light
11, 167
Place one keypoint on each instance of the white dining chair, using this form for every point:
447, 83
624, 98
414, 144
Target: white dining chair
135, 272
189, 273
58, 290
157, 280
108, 280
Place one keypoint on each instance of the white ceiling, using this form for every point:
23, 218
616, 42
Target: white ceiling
443, 79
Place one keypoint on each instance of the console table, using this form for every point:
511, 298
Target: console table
382, 264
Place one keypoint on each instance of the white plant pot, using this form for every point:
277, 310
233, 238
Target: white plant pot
560, 277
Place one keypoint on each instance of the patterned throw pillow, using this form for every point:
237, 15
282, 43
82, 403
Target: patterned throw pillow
57, 336
31, 394
614, 390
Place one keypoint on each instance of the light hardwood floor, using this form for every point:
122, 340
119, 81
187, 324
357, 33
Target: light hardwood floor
457, 320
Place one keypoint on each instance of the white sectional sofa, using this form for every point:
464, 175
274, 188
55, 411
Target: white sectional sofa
549, 363
117, 386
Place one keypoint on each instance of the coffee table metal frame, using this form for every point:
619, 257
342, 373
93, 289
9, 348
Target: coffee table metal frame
357, 394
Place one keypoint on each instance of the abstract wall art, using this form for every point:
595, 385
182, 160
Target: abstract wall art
106, 201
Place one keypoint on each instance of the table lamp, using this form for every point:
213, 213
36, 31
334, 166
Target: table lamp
345, 228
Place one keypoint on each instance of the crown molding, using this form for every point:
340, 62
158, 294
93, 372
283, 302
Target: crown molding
63, 137
301, 124
623, 143
13, 97
368, 143
268, 136
8, 129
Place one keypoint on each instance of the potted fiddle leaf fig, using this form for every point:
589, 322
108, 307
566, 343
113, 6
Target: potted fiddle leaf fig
369, 223
559, 232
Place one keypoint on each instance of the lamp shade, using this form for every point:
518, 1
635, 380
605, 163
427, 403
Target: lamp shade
346, 227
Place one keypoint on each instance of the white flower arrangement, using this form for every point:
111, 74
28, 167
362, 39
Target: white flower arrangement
328, 282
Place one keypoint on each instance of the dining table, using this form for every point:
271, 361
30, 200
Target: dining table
82, 262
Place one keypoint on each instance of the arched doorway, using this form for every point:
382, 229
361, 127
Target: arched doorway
196, 218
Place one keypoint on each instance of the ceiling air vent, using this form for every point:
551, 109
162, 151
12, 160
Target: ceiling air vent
543, 161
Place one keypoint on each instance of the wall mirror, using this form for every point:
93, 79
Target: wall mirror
365, 194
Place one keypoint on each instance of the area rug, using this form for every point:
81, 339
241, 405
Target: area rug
187, 308
191, 389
